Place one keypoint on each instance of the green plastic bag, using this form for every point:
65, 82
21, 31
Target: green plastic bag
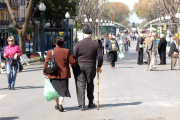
121, 55
49, 92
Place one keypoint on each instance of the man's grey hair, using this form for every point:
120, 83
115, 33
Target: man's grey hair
149, 35
87, 35
153, 34
162, 35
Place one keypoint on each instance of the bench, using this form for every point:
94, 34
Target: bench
25, 59
45, 52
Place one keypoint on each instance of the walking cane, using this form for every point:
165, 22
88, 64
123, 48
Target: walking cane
98, 89
178, 61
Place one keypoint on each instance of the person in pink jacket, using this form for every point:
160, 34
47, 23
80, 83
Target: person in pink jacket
11, 51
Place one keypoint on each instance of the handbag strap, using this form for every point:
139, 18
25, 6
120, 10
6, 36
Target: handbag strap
53, 58
9, 52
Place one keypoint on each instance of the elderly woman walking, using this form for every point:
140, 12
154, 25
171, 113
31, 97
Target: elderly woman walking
174, 53
140, 50
11, 52
60, 78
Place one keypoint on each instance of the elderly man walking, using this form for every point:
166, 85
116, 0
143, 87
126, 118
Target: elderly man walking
162, 50
152, 49
86, 51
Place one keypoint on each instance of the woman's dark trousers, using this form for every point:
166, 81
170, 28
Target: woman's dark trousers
140, 57
113, 58
86, 75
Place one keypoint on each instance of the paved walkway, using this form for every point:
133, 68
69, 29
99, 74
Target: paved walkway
128, 92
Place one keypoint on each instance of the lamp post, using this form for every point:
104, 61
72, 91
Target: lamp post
67, 15
105, 25
76, 20
101, 26
96, 27
42, 8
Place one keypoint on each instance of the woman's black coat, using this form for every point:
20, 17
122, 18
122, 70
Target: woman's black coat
140, 41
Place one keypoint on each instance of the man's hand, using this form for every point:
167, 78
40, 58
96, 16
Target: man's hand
0, 64
98, 70
5, 55
108, 51
46, 76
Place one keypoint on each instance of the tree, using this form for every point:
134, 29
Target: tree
21, 30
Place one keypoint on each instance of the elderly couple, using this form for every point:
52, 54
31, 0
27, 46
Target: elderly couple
86, 52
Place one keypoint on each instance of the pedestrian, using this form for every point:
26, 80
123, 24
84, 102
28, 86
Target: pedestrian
98, 41
162, 50
60, 78
133, 36
146, 44
102, 40
136, 36
112, 48
11, 52
174, 53
126, 44
152, 49
129, 45
121, 45
86, 52
140, 50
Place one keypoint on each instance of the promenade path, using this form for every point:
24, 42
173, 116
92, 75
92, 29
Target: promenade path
128, 92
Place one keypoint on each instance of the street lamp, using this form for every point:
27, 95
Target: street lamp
97, 26
67, 15
42, 8
101, 26
76, 20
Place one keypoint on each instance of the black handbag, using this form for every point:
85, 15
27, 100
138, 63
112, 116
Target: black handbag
12, 61
51, 66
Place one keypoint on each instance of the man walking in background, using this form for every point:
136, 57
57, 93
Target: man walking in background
152, 49
162, 50
86, 51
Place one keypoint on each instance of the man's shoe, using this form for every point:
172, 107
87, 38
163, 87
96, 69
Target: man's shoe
57, 107
9, 87
12, 88
61, 109
160, 64
81, 107
91, 105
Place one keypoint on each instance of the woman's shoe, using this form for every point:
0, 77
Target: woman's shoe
61, 109
9, 87
57, 107
12, 88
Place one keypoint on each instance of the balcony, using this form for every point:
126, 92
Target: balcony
4, 22
22, 3
14, 4
21, 19
3, 6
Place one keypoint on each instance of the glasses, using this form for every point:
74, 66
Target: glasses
11, 41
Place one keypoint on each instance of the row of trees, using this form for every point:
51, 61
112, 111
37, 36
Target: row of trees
152, 9
55, 12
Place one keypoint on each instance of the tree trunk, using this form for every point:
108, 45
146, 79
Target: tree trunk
22, 41
51, 23
35, 35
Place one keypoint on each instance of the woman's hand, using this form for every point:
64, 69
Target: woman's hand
5, 55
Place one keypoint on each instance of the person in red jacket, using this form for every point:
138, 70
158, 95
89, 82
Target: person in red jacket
59, 79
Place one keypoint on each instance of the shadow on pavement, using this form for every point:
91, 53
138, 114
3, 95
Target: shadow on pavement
106, 106
9, 118
24, 87
35, 69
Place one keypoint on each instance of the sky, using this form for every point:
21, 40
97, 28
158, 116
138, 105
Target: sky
130, 3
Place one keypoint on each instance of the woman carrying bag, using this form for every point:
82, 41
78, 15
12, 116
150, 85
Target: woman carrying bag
112, 48
11, 52
173, 53
60, 78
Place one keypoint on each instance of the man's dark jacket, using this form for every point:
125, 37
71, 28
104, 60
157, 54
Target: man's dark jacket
100, 43
162, 45
86, 52
173, 49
